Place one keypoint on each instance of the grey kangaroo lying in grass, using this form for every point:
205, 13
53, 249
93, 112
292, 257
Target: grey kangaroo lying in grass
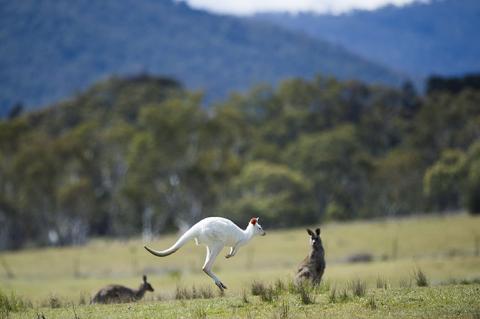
313, 266
118, 294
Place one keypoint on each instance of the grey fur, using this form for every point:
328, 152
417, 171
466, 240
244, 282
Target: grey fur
119, 294
313, 266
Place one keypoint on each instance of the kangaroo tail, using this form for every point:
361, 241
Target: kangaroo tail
188, 235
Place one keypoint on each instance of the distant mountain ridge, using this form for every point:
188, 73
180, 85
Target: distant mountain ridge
438, 37
52, 49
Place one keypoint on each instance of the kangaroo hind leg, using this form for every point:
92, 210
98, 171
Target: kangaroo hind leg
212, 253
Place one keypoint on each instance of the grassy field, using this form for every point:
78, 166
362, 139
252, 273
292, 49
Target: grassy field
445, 248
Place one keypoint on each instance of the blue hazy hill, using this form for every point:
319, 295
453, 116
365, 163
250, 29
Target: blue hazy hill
438, 37
52, 49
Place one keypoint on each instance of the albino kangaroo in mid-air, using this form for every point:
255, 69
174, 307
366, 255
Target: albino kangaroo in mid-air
215, 233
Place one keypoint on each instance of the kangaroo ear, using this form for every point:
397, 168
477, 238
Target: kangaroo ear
144, 278
310, 232
253, 221
317, 231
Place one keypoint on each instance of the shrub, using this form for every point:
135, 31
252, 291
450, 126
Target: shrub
306, 293
343, 295
358, 287
307, 297
182, 293
267, 293
54, 302
257, 288
12, 303
420, 278
206, 292
382, 283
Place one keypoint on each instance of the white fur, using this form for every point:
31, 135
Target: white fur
215, 233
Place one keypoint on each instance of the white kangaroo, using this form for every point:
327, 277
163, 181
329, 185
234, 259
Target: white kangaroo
215, 233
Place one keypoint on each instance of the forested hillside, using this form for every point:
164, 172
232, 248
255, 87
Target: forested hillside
420, 39
142, 154
52, 49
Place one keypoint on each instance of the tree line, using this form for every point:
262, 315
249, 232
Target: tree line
143, 155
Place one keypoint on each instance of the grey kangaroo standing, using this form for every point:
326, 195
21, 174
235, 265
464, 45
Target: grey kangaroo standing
313, 266
118, 294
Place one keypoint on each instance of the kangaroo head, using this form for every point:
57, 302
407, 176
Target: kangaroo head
145, 285
315, 239
257, 229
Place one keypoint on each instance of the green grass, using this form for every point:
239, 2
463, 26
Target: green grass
12, 303
443, 248
454, 301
